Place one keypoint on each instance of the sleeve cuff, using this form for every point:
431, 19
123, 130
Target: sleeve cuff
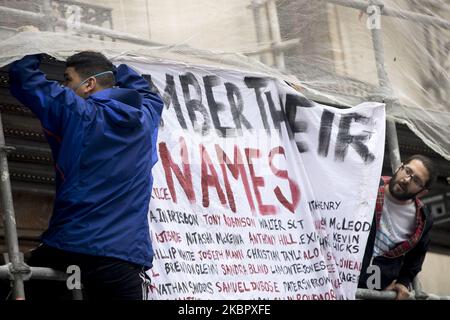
404, 280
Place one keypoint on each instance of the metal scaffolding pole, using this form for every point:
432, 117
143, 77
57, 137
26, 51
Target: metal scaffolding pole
396, 13
17, 266
90, 29
284, 45
367, 294
39, 273
383, 79
277, 45
256, 7
275, 33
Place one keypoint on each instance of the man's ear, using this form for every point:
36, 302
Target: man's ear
91, 85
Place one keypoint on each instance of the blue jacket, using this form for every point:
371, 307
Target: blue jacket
104, 148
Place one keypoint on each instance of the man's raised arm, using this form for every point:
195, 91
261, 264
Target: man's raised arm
126, 77
49, 101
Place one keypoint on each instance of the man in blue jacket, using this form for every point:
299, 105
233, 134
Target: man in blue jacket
102, 128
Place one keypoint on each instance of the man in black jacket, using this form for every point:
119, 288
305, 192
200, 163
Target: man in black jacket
400, 234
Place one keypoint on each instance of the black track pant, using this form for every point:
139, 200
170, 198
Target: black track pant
102, 278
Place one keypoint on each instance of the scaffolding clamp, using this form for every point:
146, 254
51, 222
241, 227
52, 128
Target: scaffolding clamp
7, 149
378, 3
18, 267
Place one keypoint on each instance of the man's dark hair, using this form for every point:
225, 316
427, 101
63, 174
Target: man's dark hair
89, 63
429, 165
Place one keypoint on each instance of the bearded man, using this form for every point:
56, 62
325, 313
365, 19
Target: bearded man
400, 233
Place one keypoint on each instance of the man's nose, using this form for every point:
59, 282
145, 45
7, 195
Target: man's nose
406, 179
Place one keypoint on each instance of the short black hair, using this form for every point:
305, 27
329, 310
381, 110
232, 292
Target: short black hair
89, 63
429, 165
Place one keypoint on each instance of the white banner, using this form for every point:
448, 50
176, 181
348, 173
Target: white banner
258, 193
